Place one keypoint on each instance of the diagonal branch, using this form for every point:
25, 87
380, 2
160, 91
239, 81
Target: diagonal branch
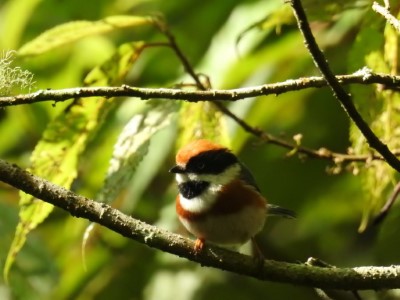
388, 205
359, 278
387, 15
344, 98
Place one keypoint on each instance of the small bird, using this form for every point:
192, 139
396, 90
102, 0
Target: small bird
219, 201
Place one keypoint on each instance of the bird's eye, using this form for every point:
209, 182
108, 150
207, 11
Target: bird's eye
201, 166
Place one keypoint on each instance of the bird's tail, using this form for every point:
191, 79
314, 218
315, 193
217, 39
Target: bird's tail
275, 210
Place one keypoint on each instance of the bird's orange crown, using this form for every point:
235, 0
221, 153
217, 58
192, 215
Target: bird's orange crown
194, 148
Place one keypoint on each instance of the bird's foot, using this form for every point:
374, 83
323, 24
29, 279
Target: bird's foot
257, 254
199, 245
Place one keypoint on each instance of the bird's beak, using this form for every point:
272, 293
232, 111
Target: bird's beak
177, 169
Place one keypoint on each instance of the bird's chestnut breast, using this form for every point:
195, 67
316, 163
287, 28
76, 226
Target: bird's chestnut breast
236, 195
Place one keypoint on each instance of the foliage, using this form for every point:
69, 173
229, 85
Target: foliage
380, 54
120, 151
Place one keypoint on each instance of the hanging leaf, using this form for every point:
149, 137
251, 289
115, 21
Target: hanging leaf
72, 31
132, 145
280, 16
55, 157
201, 120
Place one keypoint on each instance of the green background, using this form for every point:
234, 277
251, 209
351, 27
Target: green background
329, 198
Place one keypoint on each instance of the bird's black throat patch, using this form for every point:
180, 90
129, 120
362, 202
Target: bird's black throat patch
192, 189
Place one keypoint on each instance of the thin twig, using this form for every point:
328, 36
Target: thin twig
359, 77
388, 205
360, 278
387, 15
344, 98
182, 57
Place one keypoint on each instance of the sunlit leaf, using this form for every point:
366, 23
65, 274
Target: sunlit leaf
15, 16
56, 156
329, 10
275, 20
132, 145
70, 32
201, 120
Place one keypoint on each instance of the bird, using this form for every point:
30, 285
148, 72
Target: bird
219, 201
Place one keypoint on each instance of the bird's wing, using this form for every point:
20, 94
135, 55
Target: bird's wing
273, 210
247, 177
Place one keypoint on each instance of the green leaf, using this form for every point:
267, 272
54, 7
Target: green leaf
201, 120
132, 145
329, 10
129, 150
275, 19
15, 16
55, 157
71, 32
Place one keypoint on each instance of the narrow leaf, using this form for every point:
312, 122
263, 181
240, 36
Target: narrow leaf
72, 31
201, 120
132, 145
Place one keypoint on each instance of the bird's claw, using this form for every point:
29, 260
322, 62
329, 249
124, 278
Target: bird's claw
198, 246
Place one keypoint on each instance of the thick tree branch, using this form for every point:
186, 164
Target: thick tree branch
360, 77
359, 278
344, 98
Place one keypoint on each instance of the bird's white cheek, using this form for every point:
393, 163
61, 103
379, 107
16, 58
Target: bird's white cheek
180, 178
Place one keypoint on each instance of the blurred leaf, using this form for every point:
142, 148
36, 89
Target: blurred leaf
15, 16
275, 20
263, 111
55, 157
388, 233
329, 10
132, 145
201, 120
73, 31
151, 169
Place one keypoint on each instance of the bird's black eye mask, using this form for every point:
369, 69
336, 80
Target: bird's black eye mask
211, 162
